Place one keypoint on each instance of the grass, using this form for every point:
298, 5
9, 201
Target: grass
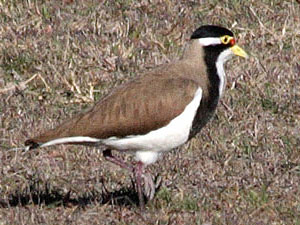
59, 57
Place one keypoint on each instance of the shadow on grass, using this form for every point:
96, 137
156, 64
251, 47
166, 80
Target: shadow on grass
35, 194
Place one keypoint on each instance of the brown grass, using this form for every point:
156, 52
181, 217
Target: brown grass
58, 57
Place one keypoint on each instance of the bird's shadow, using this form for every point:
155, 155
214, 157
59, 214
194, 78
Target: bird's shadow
54, 197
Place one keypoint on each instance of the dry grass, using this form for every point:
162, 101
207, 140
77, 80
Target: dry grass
59, 56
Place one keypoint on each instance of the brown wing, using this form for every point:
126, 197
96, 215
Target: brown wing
135, 108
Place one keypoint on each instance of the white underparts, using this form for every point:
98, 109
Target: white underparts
147, 147
65, 140
147, 157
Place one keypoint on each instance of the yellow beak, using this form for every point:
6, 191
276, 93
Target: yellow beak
239, 51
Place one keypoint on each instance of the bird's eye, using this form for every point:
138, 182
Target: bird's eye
226, 39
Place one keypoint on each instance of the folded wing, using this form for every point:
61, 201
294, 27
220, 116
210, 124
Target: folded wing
135, 108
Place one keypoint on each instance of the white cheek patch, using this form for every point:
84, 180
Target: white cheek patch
209, 41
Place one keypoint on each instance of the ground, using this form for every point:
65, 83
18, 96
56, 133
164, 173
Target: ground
59, 57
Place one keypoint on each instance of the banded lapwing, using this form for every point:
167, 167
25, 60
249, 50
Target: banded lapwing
156, 111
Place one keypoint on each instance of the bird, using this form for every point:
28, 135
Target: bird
155, 112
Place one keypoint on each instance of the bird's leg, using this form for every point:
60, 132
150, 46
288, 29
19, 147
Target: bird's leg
109, 157
138, 176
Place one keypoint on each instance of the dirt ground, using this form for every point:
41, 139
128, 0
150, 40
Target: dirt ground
59, 57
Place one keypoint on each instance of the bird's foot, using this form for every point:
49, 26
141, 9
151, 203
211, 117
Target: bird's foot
141, 178
150, 185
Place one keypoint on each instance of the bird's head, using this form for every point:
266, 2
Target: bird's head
218, 43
